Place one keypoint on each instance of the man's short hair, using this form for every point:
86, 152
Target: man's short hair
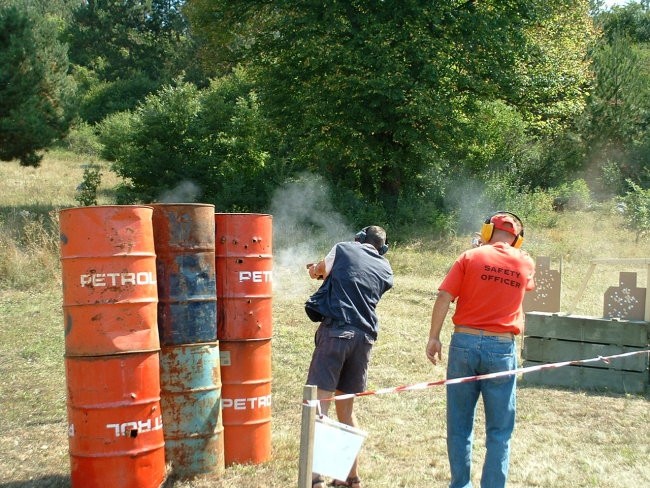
376, 236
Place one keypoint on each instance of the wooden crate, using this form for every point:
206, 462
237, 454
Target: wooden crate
552, 338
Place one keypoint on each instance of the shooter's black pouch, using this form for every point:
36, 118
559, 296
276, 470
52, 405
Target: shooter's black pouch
313, 314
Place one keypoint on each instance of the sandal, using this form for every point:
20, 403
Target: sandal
318, 482
352, 482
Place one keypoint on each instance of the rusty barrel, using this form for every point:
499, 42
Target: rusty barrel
244, 266
110, 293
110, 299
115, 425
184, 244
191, 404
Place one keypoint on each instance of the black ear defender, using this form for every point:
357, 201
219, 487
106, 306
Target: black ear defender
487, 229
361, 237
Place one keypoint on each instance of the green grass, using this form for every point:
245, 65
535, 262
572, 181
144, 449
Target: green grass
563, 438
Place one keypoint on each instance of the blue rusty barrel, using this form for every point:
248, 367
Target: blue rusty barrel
187, 295
191, 404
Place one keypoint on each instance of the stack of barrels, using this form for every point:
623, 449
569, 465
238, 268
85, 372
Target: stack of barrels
244, 290
187, 323
147, 291
112, 347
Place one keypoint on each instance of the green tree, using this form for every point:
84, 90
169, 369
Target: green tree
375, 96
35, 89
209, 139
118, 39
122, 51
618, 114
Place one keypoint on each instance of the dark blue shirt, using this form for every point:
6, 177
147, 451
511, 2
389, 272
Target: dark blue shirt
351, 291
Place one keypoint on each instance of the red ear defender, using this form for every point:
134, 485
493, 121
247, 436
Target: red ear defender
487, 229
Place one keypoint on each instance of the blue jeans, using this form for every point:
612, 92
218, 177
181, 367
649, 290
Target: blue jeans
471, 355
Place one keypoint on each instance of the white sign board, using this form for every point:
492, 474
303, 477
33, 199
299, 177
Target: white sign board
336, 446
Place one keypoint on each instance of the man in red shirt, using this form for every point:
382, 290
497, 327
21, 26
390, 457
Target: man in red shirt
488, 284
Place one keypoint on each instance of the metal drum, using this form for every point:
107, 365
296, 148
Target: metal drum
115, 425
110, 302
109, 280
246, 377
185, 264
191, 403
244, 264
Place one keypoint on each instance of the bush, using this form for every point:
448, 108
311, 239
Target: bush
107, 97
114, 135
83, 140
532, 206
572, 196
87, 189
214, 139
635, 207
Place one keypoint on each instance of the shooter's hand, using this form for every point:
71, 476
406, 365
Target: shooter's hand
315, 272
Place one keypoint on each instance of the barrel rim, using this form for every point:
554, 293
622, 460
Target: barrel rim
180, 204
104, 207
244, 213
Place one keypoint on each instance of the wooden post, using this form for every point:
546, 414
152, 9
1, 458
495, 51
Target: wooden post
307, 429
647, 294
577, 298
621, 261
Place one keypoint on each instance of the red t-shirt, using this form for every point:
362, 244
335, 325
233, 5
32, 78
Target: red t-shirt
489, 283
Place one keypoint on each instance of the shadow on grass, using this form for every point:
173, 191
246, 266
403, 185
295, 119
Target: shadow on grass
56, 481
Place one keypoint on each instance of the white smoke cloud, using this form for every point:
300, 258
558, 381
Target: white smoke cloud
472, 206
185, 192
305, 227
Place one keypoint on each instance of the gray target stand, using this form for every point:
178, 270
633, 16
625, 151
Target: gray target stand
552, 337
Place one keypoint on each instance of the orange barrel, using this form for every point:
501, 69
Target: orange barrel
244, 264
110, 294
115, 425
185, 265
246, 377
191, 402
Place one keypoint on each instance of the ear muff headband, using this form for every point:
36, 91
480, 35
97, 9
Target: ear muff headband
362, 235
487, 229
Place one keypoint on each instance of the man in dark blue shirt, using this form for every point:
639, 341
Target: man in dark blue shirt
356, 275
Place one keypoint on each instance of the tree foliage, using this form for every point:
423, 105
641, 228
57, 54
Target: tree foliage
123, 51
119, 39
209, 139
376, 96
618, 113
636, 210
35, 89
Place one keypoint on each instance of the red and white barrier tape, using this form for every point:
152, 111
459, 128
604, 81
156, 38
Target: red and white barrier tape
467, 379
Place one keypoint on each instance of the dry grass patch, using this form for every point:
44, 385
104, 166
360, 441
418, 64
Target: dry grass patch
562, 439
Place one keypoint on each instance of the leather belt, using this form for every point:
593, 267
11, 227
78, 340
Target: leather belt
481, 332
